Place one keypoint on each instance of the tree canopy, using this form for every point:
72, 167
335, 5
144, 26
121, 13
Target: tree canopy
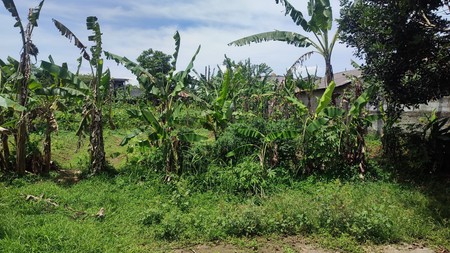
155, 62
405, 45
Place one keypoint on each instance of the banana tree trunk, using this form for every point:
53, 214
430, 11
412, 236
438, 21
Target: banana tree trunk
329, 76
48, 144
6, 153
22, 134
98, 160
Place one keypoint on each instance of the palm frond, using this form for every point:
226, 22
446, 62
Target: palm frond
11, 7
94, 26
299, 62
296, 15
292, 38
33, 16
142, 74
71, 36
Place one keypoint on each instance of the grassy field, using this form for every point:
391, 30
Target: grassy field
145, 214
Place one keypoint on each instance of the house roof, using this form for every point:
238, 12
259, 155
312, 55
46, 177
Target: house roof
341, 78
120, 79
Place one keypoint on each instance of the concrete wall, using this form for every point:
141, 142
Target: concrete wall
413, 115
409, 116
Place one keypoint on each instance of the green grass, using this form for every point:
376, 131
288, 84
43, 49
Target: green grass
144, 214
66, 154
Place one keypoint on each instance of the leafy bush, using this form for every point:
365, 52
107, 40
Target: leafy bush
321, 151
245, 178
423, 149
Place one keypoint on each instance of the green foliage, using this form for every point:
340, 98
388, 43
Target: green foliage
340, 215
161, 124
422, 149
409, 69
99, 91
326, 98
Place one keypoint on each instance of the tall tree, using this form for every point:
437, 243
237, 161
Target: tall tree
319, 25
405, 45
155, 62
158, 65
406, 48
28, 49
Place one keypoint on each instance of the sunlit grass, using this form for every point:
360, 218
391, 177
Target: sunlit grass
143, 213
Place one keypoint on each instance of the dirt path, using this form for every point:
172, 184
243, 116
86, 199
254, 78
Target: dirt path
68, 177
295, 244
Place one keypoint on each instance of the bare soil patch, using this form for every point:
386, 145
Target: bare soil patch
68, 177
293, 244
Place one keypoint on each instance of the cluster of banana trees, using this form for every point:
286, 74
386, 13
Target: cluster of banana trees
18, 77
41, 91
161, 122
241, 91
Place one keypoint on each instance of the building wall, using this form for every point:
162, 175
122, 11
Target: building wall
413, 115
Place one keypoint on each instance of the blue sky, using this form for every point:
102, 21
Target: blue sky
130, 27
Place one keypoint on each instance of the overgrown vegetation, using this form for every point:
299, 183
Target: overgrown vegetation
219, 156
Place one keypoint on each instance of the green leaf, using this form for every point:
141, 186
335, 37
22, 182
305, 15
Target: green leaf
281, 135
316, 124
133, 113
301, 108
33, 15
177, 39
192, 137
225, 87
130, 136
333, 112
227, 110
292, 38
296, 15
105, 81
326, 98
64, 74
358, 105
250, 133
142, 74
34, 85
8, 103
181, 77
189, 67
321, 15
238, 150
150, 118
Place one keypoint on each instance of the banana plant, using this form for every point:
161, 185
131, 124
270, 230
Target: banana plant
59, 85
265, 142
357, 121
99, 91
319, 25
161, 122
349, 126
218, 112
8, 109
23, 77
